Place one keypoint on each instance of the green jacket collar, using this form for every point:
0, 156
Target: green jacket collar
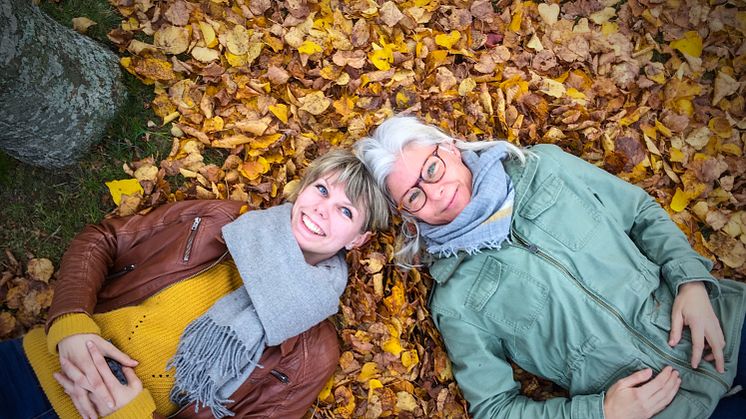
521, 176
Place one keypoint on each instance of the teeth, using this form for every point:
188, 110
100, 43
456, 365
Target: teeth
312, 226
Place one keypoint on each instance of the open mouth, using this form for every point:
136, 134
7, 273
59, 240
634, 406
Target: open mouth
311, 226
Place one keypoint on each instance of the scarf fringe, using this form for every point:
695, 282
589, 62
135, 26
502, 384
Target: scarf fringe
205, 346
470, 250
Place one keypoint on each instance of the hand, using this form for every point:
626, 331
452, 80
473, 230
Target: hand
629, 398
692, 308
92, 404
73, 349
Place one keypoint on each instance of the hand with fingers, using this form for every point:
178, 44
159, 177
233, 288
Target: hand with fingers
692, 308
73, 349
104, 400
637, 396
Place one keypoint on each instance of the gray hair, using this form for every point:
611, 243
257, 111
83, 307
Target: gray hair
360, 187
379, 153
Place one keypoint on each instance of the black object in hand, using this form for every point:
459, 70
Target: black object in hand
116, 369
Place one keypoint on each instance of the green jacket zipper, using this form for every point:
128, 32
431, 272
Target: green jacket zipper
190, 239
525, 244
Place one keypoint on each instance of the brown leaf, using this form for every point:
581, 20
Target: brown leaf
40, 269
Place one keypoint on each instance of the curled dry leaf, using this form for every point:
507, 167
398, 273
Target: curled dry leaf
40, 269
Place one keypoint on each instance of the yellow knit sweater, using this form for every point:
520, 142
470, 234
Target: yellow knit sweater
148, 333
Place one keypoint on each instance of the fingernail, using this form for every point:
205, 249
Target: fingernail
111, 405
89, 344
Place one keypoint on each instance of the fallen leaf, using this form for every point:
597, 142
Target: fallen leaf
81, 24
40, 269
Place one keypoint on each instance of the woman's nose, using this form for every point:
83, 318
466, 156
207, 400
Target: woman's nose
321, 210
432, 190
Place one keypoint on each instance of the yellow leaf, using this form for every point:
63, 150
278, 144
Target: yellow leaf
603, 16
609, 28
237, 40
731, 148
172, 39
170, 117
309, 48
675, 155
280, 111
721, 127
233, 59
208, 34
265, 141
117, 188
680, 200
690, 44
40, 269
405, 401
374, 384
575, 93
649, 131
368, 370
392, 345
663, 129
381, 57
410, 358
231, 141
552, 88
326, 392
253, 169
515, 22
315, 103
466, 86
213, 124
684, 106
634, 116
659, 78
204, 55
448, 40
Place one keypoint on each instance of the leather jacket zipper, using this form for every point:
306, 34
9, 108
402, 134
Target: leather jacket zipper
534, 249
280, 376
190, 239
124, 270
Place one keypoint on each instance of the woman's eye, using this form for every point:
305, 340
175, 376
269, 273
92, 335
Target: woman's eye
347, 213
413, 195
431, 170
322, 189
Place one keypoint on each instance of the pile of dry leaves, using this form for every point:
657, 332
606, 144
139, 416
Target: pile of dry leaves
650, 90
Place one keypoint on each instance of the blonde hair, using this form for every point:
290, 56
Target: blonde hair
360, 187
380, 151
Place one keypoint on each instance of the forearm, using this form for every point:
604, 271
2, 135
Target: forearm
519, 407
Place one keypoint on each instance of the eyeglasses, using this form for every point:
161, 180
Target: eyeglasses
432, 171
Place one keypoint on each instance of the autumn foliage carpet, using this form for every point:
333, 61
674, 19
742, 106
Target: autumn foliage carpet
651, 91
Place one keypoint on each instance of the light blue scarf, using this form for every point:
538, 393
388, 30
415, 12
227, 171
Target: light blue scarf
485, 221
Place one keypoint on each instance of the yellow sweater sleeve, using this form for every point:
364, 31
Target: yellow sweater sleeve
68, 325
141, 406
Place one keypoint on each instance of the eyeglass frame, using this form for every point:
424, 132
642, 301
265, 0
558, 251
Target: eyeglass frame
400, 205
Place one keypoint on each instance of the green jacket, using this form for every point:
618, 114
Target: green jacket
581, 295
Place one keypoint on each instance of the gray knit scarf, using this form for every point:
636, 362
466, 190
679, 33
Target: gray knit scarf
485, 221
282, 297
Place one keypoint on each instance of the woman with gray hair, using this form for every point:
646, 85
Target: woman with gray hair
574, 274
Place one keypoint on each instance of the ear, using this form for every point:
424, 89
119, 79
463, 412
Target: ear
358, 241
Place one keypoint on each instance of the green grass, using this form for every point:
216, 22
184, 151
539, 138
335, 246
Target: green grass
41, 210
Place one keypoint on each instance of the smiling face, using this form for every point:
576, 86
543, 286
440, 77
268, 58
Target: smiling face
447, 197
324, 220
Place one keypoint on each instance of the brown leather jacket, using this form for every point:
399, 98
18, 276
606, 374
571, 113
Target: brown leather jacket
122, 261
